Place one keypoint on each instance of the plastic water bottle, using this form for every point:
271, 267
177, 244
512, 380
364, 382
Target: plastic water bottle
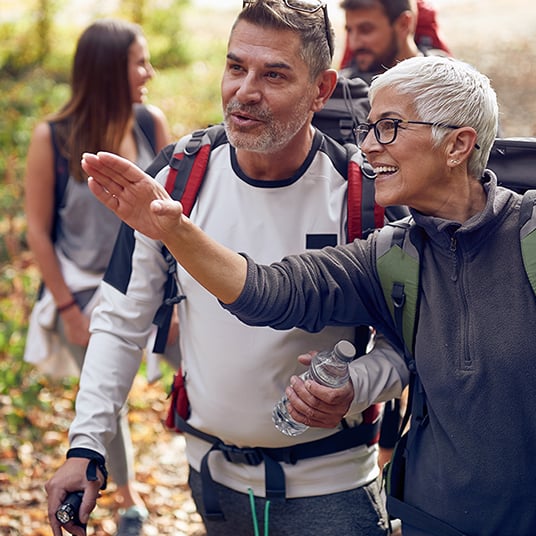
329, 368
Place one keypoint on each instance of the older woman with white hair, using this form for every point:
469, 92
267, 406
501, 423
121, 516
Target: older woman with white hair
470, 448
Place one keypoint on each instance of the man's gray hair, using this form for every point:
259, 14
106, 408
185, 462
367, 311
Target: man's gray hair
311, 28
446, 90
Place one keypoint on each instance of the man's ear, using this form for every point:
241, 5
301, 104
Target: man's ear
325, 85
406, 23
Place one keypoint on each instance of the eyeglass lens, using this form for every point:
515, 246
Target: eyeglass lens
385, 131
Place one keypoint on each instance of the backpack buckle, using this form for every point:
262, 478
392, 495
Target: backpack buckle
194, 144
248, 456
398, 296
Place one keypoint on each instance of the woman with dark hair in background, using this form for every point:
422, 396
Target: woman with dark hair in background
70, 234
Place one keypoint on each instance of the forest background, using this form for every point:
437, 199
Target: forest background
187, 40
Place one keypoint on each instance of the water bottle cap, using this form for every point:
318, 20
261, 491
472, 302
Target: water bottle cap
345, 350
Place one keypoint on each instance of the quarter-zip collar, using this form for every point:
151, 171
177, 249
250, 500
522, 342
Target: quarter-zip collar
447, 233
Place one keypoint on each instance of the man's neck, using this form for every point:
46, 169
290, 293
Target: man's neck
278, 165
408, 50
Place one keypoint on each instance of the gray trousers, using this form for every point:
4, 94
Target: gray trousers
358, 512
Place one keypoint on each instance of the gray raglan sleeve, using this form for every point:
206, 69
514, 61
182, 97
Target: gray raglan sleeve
333, 286
120, 327
378, 376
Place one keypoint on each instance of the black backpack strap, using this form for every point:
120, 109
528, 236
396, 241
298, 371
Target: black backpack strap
272, 458
187, 168
415, 517
145, 120
61, 178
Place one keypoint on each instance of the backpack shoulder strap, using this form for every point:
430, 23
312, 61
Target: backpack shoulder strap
187, 168
527, 226
364, 214
189, 162
398, 266
145, 120
61, 177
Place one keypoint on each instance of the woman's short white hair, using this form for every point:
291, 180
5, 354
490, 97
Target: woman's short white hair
446, 90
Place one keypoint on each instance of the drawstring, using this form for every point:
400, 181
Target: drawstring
254, 514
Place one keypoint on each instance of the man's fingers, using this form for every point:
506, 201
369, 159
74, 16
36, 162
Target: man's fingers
304, 406
101, 193
305, 359
109, 184
89, 501
111, 171
166, 207
316, 405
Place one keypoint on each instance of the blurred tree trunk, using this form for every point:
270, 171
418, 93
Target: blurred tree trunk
44, 16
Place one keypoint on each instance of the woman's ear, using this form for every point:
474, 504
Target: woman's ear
325, 84
461, 144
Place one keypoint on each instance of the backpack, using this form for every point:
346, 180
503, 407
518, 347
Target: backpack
347, 106
513, 160
187, 168
398, 263
186, 172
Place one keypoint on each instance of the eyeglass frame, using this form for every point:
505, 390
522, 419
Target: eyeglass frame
320, 5
396, 123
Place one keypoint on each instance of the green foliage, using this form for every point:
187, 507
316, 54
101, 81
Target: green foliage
162, 23
29, 37
17, 387
34, 82
23, 100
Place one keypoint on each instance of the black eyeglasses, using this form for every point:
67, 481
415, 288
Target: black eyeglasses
386, 129
307, 6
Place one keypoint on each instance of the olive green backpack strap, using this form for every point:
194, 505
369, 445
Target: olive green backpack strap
398, 248
398, 266
527, 235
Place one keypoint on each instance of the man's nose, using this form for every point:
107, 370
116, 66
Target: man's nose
249, 89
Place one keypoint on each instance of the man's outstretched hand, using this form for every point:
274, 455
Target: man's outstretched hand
143, 203
135, 197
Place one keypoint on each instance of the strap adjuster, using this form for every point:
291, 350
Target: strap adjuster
248, 456
398, 295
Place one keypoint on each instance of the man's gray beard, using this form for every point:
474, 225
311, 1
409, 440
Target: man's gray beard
272, 137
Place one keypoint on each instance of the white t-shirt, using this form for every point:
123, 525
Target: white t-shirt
234, 373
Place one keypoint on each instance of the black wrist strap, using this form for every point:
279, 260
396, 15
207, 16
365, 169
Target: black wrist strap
96, 460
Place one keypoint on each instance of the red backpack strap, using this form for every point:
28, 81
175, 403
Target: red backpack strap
364, 214
187, 169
